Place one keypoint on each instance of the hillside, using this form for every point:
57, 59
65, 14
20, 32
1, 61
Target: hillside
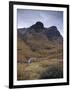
39, 43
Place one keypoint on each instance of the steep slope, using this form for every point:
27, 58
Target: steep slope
42, 42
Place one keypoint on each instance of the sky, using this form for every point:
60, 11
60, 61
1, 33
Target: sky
28, 17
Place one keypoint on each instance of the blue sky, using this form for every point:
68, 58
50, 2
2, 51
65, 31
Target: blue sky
27, 17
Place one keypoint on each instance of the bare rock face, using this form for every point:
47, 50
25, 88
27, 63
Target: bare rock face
38, 27
53, 33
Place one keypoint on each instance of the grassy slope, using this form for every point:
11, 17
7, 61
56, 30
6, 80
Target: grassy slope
50, 68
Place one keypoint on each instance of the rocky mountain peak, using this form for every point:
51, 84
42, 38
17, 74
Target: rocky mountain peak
38, 26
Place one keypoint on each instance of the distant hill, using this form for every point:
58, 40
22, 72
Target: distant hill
41, 41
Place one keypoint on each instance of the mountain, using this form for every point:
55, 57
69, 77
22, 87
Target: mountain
39, 53
39, 41
51, 33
